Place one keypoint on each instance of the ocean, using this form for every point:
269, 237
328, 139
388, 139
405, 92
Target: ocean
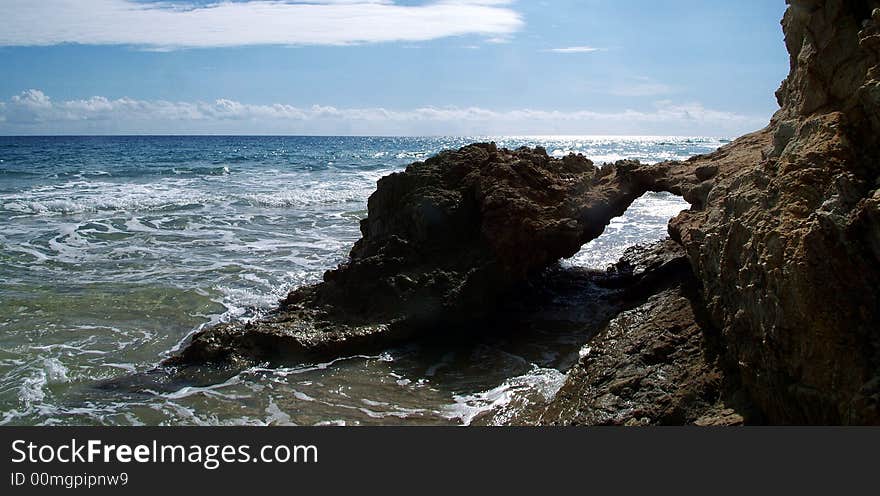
113, 250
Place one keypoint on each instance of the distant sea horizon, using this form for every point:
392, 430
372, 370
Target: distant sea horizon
224, 135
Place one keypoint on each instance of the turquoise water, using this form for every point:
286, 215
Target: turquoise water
114, 249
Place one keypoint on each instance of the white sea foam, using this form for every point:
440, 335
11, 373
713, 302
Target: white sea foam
276, 416
645, 220
32, 390
540, 384
56, 372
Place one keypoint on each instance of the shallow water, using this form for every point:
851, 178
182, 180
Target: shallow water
114, 250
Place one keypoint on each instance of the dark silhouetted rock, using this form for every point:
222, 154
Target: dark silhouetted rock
444, 242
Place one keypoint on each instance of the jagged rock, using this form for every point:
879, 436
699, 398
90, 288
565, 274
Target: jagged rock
642, 266
783, 236
443, 243
786, 244
653, 364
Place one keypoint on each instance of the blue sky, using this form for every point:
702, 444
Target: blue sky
475, 67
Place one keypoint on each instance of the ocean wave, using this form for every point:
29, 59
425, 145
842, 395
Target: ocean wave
157, 197
18, 173
506, 400
222, 170
31, 380
306, 197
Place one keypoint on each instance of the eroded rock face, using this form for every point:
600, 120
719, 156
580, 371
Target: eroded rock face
786, 245
783, 239
653, 364
486, 218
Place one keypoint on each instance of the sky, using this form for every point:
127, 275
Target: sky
390, 67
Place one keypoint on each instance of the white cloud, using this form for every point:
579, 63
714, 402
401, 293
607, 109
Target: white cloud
33, 99
33, 112
575, 49
165, 26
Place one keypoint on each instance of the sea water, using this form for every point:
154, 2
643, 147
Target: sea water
113, 250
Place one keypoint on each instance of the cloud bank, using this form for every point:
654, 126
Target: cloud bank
575, 49
33, 112
168, 26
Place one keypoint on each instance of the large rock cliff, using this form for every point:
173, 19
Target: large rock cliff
787, 246
784, 239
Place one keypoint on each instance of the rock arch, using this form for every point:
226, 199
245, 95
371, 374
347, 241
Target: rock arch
448, 238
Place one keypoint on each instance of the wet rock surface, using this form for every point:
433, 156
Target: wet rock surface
658, 361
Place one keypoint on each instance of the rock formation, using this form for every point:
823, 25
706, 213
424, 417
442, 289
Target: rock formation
658, 361
443, 243
788, 244
777, 320
784, 240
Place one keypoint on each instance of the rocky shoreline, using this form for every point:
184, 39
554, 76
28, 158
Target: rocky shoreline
446, 242
762, 308
659, 361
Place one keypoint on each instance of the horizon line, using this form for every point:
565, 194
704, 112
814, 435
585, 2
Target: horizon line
477, 136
